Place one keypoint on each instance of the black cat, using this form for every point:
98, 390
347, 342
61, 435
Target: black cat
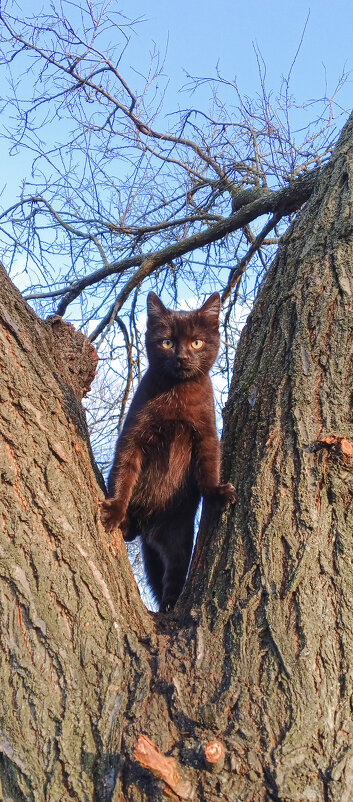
168, 453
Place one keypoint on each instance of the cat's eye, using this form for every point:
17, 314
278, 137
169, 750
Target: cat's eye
167, 344
197, 344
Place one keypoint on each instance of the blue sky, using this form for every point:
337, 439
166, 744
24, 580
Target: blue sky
201, 34
198, 36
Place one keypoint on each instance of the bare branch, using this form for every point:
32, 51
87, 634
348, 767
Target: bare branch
121, 197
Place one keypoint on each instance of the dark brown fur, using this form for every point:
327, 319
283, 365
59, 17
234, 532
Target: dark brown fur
168, 453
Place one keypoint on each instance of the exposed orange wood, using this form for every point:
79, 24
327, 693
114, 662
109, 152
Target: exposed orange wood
165, 768
214, 755
347, 447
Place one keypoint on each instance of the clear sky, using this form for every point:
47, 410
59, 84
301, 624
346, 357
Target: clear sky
200, 34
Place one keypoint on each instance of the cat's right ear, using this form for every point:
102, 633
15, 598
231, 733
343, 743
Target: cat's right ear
155, 308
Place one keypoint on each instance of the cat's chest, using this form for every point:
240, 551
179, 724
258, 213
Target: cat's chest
179, 405
165, 436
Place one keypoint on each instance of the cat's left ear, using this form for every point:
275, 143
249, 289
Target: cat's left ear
211, 309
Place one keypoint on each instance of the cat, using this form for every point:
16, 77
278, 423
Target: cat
168, 453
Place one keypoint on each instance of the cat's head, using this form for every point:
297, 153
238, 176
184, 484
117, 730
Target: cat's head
182, 345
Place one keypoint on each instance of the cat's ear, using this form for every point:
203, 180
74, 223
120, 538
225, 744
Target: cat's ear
211, 309
155, 308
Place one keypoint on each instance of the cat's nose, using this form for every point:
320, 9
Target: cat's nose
181, 361
182, 355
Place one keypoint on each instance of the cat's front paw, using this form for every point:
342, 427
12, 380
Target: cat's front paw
112, 513
227, 494
222, 494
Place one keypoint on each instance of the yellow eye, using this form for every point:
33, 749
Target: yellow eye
197, 344
167, 344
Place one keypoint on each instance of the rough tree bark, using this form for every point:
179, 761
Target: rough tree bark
245, 693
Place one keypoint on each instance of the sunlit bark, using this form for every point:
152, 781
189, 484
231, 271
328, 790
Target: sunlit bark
257, 657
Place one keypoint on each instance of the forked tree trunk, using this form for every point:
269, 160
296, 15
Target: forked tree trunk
258, 656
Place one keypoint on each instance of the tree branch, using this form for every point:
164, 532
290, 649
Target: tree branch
280, 203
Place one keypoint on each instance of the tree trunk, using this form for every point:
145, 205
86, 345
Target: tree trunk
244, 693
